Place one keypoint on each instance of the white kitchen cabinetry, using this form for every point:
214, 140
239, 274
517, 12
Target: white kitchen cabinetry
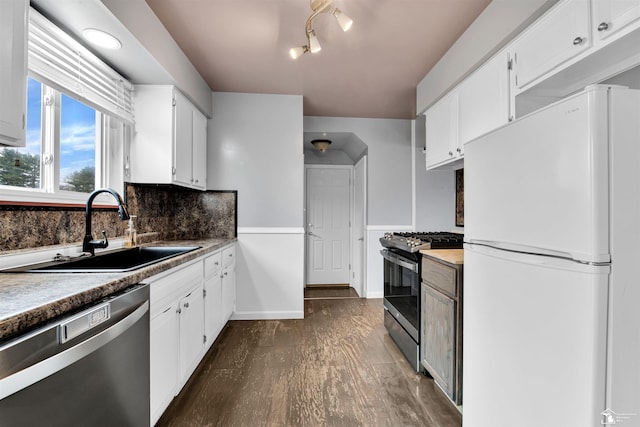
228, 282
164, 347
563, 33
169, 145
176, 332
611, 16
441, 122
213, 322
483, 99
13, 71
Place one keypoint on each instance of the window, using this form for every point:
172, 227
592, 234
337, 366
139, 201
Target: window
78, 123
36, 166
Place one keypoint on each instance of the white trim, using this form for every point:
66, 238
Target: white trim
375, 295
413, 176
389, 227
271, 230
267, 315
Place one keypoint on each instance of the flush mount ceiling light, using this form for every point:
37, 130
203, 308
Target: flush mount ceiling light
321, 144
318, 7
101, 38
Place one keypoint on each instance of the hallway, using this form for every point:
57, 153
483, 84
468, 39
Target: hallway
337, 367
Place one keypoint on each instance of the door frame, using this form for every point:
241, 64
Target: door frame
306, 223
362, 289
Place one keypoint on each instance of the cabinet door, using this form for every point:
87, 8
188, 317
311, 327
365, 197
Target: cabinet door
483, 99
212, 308
191, 331
199, 149
183, 140
438, 338
442, 131
554, 39
610, 16
228, 292
13, 71
164, 350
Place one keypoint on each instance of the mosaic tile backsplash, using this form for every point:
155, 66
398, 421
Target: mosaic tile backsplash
175, 213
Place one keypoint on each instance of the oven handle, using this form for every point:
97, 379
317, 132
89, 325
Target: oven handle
397, 260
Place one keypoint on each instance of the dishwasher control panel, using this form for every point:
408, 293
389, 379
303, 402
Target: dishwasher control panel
83, 322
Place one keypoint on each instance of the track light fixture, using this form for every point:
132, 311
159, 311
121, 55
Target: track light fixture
318, 7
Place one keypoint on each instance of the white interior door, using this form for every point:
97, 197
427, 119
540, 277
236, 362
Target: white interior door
358, 235
328, 213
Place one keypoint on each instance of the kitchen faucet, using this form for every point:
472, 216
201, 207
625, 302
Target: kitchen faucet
88, 244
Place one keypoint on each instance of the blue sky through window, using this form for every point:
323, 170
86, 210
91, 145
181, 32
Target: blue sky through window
77, 137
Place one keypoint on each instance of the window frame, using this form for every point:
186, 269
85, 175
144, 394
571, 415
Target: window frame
63, 65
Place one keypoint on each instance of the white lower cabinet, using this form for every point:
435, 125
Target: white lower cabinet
228, 282
190, 305
213, 321
164, 346
176, 332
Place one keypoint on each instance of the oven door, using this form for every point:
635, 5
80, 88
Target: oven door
402, 290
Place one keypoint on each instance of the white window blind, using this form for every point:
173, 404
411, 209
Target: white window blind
55, 57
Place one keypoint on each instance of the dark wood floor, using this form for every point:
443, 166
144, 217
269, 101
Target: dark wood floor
337, 367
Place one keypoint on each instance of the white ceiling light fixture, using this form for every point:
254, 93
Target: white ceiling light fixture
318, 7
321, 144
101, 38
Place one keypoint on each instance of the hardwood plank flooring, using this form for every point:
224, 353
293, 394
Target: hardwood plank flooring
336, 367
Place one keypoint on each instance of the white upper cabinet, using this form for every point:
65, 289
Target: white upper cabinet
611, 16
13, 71
483, 99
441, 126
169, 145
563, 33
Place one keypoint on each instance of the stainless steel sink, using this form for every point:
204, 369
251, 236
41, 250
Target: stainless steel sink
119, 260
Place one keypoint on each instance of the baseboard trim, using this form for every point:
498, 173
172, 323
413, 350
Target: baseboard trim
267, 315
375, 295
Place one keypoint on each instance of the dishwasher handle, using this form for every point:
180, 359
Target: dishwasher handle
28, 376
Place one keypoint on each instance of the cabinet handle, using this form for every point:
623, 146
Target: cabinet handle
197, 181
216, 263
186, 305
451, 153
459, 150
603, 26
225, 273
173, 171
179, 310
578, 40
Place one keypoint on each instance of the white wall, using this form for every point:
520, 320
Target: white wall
255, 147
389, 163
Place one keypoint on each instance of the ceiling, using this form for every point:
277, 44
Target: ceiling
371, 71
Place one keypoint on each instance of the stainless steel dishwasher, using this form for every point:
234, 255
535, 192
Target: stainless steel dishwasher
86, 369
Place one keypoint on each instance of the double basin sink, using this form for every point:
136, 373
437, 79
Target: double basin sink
116, 261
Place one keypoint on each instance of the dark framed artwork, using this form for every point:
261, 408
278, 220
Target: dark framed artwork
460, 198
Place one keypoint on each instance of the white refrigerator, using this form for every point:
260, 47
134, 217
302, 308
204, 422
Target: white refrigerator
551, 331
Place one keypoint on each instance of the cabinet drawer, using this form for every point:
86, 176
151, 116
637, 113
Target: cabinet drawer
172, 285
212, 264
439, 276
229, 256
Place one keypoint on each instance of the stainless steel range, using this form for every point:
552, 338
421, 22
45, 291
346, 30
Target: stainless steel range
402, 270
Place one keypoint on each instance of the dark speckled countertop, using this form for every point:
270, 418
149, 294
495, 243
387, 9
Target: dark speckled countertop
30, 299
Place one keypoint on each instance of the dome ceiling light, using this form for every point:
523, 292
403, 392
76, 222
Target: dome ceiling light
318, 7
321, 144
